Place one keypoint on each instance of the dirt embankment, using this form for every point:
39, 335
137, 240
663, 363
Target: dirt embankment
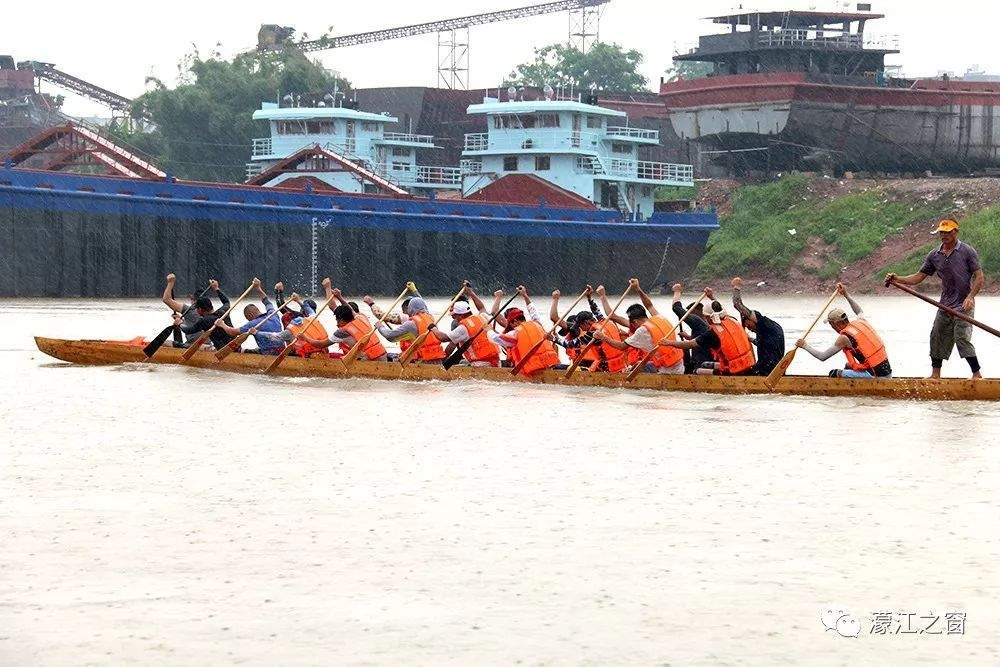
965, 196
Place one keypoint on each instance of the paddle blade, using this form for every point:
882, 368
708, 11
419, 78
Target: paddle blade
639, 366
278, 359
157, 342
234, 345
455, 357
576, 362
195, 346
779, 371
412, 350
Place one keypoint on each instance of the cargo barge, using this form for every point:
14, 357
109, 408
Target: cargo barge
808, 90
116, 233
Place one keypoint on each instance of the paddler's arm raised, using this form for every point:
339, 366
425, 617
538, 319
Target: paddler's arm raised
842, 291
476, 301
168, 295
646, 301
745, 312
495, 310
616, 318
554, 310
529, 307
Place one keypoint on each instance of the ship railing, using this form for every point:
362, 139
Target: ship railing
262, 147
633, 133
471, 166
409, 174
254, 169
838, 42
642, 170
402, 137
532, 139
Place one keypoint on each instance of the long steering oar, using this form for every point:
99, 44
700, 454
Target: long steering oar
162, 337
649, 355
460, 351
412, 350
579, 358
537, 346
779, 371
196, 345
288, 348
235, 343
361, 344
937, 304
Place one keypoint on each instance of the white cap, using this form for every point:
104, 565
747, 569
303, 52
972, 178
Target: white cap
460, 308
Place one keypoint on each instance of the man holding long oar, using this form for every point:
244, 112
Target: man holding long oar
527, 342
648, 333
726, 341
481, 352
207, 324
262, 326
957, 264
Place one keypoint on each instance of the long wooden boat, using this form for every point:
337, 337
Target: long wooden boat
98, 352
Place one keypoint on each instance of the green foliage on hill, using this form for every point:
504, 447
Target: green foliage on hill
771, 226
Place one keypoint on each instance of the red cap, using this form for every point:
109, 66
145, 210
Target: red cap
512, 314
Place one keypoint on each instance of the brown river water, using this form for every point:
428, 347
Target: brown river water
164, 515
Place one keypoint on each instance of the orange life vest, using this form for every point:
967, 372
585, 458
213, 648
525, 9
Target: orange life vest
735, 352
611, 357
358, 328
528, 335
431, 349
659, 328
315, 330
482, 348
868, 351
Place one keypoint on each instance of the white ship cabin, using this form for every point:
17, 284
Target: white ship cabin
358, 136
581, 147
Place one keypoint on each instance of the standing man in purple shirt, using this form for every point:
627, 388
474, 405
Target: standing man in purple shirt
957, 264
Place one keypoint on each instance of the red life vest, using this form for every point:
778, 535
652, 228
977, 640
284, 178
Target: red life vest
868, 351
735, 352
315, 330
482, 348
529, 333
431, 349
358, 328
611, 358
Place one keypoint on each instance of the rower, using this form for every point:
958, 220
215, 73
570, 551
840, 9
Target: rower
647, 329
298, 325
266, 341
726, 341
352, 326
769, 336
858, 340
602, 356
207, 318
695, 358
466, 325
395, 319
189, 313
522, 333
418, 321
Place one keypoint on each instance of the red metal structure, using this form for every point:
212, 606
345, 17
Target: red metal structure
77, 149
315, 160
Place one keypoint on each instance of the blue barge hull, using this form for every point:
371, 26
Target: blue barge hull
76, 235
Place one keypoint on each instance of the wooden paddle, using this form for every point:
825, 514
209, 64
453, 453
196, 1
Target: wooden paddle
196, 345
456, 356
579, 358
353, 353
412, 350
288, 348
937, 304
779, 371
235, 343
537, 346
162, 337
649, 355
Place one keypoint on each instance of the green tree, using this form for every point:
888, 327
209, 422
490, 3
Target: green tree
203, 128
605, 67
684, 70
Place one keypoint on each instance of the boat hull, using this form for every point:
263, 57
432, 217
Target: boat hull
72, 235
108, 353
786, 121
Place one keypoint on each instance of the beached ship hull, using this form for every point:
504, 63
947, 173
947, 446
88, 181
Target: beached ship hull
780, 121
65, 234
109, 353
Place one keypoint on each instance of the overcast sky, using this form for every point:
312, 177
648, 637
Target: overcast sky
118, 44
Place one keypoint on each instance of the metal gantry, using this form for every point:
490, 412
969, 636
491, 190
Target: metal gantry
114, 101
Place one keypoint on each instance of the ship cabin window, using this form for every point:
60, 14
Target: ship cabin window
401, 152
291, 127
526, 122
548, 120
543, 163
619, 147
510, 163
369, 127
595, 122
400, 166
320, 127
